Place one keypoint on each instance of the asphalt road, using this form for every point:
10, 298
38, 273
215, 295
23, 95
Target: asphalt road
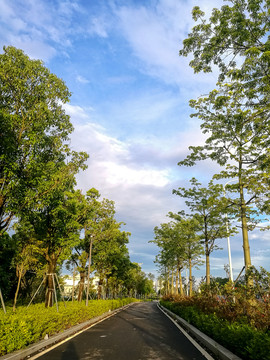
139, 332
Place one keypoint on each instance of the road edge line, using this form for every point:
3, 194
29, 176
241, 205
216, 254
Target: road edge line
55, 340
191, 339
209, 343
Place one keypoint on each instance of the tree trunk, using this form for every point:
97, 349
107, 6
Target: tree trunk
190, 278
176, 283
50, 282
180, 283
81, 285
20, 271
100, 288
246, 248
73, 284
172, 279
207, 253
207, 264
89, 268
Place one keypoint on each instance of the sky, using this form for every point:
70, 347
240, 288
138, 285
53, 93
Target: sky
129, 106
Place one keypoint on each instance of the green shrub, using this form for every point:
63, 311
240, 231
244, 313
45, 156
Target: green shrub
28, 325
240, 338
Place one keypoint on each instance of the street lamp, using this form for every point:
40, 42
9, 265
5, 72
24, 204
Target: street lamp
228, 236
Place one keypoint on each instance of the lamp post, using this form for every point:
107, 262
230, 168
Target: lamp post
228, 237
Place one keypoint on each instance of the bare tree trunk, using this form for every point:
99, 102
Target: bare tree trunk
176, 283
190, 278
18, 288
73, 284
50, 282
81, 285
246, 247
180, 283
207, 264
172, 279
100, 288
89, 269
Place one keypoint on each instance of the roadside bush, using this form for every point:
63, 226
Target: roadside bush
240, 337
28, 325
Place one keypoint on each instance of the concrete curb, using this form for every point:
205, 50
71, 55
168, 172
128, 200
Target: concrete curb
212, 345
54, 339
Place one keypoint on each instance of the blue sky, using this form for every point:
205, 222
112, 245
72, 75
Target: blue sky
129, 105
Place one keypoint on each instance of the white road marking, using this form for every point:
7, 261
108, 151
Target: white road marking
202, 351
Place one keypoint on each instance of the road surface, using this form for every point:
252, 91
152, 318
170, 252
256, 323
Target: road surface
140, 332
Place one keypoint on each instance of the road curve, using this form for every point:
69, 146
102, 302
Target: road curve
140, 332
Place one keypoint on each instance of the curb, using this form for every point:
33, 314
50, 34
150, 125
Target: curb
54, 339
212, 345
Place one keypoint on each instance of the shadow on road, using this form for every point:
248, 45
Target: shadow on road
70, 352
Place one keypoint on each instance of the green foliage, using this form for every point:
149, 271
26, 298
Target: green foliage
236, 115
33, 132
240, 28
209, 316
208, 207
28, 325
7, 274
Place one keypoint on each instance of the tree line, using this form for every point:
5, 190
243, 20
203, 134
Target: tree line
45, 221
235, 118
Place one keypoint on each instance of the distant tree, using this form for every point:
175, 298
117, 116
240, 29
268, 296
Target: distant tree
207, 206
180, 246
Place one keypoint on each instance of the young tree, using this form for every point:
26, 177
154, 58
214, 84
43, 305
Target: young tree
180, 246
188, 229
33, 132
172, 255
56, 225
28, 256
108, 245
207, 206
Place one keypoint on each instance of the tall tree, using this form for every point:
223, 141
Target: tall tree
207, 205
33, 132
238, 139
236, 39
193, 248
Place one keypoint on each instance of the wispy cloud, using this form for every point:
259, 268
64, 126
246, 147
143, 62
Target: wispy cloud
82, 79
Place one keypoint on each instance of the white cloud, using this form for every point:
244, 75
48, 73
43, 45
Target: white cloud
82, 80
97, 27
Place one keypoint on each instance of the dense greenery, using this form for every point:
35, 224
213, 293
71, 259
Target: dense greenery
28, 325
52, 223
237, 317
238, 336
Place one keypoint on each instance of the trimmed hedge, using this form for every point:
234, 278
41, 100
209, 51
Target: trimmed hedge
242, 339
29, 325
